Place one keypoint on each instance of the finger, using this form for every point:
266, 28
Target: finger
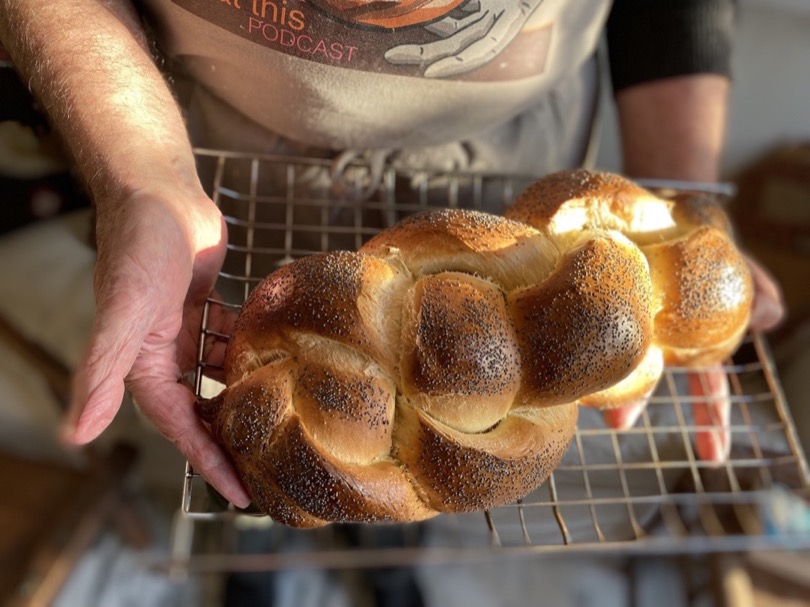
768, 309
170, 407
98, 384
712, 411
625, 416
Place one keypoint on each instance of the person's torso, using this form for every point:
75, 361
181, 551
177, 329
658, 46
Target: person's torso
348, 74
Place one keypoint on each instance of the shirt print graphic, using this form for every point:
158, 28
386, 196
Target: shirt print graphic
475, 40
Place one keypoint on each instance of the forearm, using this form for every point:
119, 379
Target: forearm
95, 78
674, 128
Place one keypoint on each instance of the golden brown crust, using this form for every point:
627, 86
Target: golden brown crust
586, 327
328, 296
610, 200
460, 472
332, 490
246, 416
460, 360
333, 341
637, 386
370, 350
509, 253
439, 368
702, 289
448, 232
700, 210
347, 411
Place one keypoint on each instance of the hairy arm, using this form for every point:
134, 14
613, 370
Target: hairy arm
87, 63
670, 64
674, 128
160, 239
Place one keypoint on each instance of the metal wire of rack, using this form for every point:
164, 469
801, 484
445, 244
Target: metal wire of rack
636, 491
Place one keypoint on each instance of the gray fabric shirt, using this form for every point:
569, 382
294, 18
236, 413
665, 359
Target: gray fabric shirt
487, 85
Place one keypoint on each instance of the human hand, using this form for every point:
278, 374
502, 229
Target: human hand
158, 258
711, 408
469, 42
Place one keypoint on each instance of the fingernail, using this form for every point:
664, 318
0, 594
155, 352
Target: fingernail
242, 502
240, 498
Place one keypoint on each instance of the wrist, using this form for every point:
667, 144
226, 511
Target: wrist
174, 203
674, 128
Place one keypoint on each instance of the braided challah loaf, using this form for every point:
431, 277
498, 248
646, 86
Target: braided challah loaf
439, 368
702, 289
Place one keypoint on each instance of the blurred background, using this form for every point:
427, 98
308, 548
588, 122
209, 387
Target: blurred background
75, 526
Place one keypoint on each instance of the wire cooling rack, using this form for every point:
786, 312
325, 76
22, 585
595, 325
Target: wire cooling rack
641, 490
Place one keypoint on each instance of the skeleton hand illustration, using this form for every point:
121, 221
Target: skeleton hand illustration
468, 42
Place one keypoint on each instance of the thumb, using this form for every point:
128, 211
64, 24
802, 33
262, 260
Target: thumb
119, 330
170, 407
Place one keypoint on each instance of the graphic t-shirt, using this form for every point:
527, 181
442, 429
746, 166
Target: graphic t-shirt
514, 78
